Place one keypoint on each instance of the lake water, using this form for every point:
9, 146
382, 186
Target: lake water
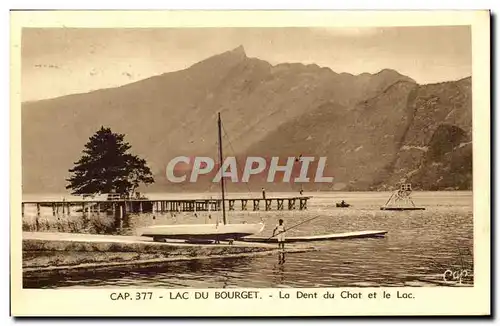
419, 248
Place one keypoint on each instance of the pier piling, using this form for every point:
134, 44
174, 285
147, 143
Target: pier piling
280, 204
303, 204
268, 204
121, 207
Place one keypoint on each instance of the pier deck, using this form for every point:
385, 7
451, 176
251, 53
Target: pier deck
133, 205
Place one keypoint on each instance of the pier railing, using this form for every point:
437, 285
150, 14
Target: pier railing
133, 205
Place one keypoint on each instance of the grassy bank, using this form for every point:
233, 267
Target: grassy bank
47, 253
92, 224
35, 246
45, 259
45, 266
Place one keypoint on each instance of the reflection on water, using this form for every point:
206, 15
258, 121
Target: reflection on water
419, 248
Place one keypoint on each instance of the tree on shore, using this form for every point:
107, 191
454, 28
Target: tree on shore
106, 166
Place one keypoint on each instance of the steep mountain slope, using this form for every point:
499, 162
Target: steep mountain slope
362, 123
359, 141
437, 149
412, 133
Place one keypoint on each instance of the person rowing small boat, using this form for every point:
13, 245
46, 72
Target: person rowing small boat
342, 204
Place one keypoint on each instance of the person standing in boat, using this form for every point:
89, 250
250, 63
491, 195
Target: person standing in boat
279, 231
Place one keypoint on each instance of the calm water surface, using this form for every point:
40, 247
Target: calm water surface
419, 247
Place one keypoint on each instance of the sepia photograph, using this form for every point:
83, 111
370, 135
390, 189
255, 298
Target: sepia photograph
237, 157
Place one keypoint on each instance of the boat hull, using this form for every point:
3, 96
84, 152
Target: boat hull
202, 232
342, 205
325, 237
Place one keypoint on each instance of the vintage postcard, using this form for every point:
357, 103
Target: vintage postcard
250, 163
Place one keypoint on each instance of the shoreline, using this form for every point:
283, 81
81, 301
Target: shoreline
55, 253
40, 271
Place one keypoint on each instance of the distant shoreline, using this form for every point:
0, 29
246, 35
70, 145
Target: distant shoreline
259, 191
215, 195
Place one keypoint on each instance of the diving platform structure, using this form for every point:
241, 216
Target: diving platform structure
401, 200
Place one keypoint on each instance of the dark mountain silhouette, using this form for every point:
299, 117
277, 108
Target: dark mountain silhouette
374, 128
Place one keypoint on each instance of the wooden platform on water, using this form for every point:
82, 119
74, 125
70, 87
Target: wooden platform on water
402, 208
324, 237
167, 205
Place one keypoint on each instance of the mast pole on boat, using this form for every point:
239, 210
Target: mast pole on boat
219, 123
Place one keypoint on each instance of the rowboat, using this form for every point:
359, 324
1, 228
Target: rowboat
342, 204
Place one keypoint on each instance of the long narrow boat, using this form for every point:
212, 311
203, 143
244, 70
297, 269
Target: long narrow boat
195, 232
323, 237
205, 232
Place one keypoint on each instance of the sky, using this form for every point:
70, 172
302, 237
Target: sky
62, 61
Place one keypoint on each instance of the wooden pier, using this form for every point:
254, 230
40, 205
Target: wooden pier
123, 206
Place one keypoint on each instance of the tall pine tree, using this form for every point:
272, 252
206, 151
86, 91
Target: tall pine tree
106, 166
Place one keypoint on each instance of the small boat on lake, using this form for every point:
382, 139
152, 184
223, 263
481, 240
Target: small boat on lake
342, 204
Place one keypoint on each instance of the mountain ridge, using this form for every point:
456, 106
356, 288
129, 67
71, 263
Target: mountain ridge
169, 114
238, 50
